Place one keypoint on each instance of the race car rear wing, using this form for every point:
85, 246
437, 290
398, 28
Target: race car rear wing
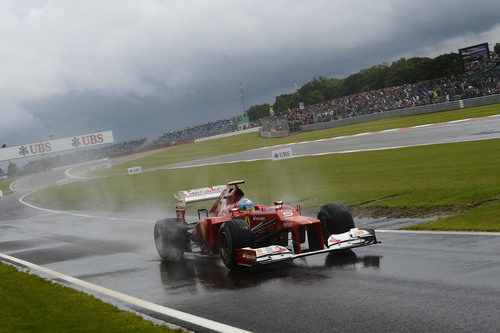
195, 195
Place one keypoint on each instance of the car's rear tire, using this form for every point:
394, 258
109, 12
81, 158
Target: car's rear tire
335, 219
171, 239
233, 234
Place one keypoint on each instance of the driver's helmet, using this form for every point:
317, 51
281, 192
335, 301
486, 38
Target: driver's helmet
245, 205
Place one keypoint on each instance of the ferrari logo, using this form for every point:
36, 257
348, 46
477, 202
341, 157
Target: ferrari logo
247, 219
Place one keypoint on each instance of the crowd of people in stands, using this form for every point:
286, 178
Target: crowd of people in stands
124, 148
473, 84
200, 131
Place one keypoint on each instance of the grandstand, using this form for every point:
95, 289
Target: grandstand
213, 128
481, 82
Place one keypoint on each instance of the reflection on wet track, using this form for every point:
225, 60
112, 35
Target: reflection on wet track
184, 277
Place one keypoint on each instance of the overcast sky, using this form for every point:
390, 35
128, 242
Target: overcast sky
140, 68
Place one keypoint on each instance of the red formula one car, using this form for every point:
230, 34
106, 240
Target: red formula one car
249, 235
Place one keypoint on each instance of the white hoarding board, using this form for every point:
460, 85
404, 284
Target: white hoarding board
282, 154
53, 146
134, 170
1, 193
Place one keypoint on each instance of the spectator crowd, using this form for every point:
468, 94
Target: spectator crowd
200, 131
481, 82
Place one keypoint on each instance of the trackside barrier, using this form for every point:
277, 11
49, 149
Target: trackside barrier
277, 134
1, 193
465, 103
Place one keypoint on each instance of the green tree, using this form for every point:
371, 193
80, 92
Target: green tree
446, 65
400, 72
12, 170
496, 48
258, 111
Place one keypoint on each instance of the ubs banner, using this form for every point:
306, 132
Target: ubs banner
53, 146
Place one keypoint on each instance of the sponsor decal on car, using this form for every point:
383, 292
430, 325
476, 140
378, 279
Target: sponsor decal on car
332, 240
248, 255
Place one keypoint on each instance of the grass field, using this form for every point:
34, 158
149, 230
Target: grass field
482, 218
413, 181
32, 304
253, 140
4, 185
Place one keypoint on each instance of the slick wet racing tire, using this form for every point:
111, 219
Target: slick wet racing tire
170, 239
234, 234
335, 219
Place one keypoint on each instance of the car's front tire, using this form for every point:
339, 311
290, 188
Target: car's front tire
335, 219
233, 234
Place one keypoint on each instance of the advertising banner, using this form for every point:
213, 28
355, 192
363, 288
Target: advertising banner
282, 154
54, 146
134, 170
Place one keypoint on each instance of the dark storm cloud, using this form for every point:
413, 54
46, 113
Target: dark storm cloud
140, 68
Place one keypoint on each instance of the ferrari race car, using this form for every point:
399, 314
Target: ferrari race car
245, 234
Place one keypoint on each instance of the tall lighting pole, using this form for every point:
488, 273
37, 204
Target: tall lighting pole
242, 98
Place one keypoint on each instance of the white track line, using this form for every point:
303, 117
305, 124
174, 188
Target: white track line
183, 316
76, 214
468, 233
70, 175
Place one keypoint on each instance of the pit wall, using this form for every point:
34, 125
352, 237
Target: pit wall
460, 104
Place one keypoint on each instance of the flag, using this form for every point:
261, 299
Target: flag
271, 111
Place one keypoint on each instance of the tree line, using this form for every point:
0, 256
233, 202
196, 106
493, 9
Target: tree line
400, 72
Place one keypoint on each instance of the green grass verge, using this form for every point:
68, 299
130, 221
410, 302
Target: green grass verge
483, 218
253, 140
30, 303
5, 185
409, 179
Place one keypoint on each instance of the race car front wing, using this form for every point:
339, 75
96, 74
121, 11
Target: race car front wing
270, 254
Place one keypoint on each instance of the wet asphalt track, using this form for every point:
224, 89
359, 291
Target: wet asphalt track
410, 282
